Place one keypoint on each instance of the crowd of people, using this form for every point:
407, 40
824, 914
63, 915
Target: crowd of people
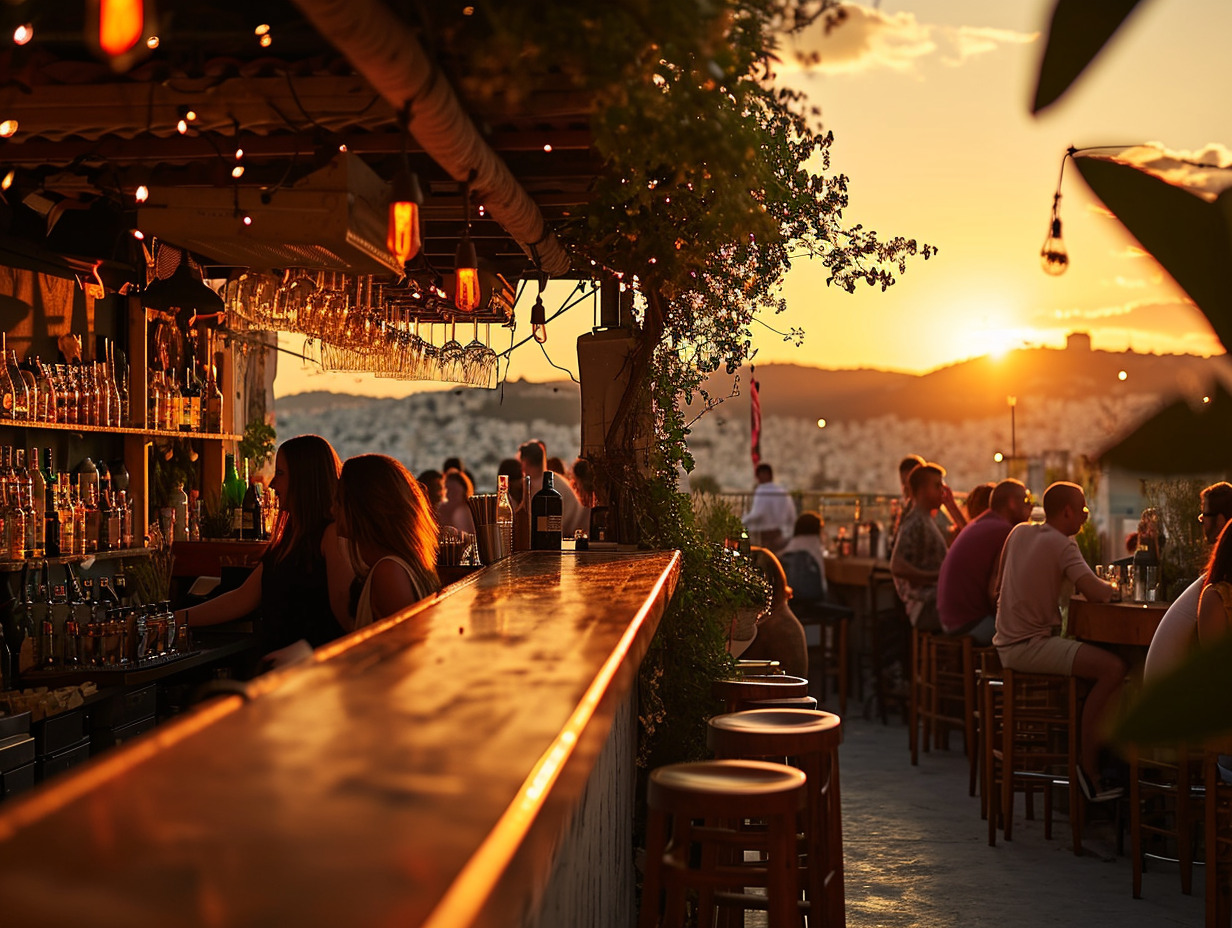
988, 571
357, 542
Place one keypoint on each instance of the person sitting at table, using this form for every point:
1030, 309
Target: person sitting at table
806, 539
433, 483
919, 547
289, 585
511, 468
1215, 611
390, 535
1178, 629
454, 509
1040, 567
770, 518
965, 603
780, 636
978, 501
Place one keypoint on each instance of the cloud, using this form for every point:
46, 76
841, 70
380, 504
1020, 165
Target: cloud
1166, 318
858, 38
1205, 173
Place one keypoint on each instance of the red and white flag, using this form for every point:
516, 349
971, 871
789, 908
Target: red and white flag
755, 414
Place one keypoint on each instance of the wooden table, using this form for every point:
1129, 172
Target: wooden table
1125, 623
441, 768
853, 571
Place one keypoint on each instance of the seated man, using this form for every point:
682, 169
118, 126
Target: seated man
920, 547
1177, 632
1041, 567
965, 601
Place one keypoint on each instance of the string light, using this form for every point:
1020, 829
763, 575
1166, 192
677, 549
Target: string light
238, 171
142, 193
23, 34
246, 220
7, 182
138, 235
181, 126
262, 32
152, 42
547, 147
8, 128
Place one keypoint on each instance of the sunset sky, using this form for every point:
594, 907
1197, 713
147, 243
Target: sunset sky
929, 103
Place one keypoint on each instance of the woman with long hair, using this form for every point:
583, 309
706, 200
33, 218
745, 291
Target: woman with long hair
454, 509
1215, 605
289, 585
390, 536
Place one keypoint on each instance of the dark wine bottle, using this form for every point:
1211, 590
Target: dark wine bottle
546, 510
252, 525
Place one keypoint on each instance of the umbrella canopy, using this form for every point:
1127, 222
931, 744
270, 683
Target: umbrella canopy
1079, 29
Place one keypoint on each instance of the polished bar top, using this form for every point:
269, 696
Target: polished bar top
415, 773
853, 571
1126, 623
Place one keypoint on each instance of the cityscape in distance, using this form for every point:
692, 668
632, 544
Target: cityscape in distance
1073, 401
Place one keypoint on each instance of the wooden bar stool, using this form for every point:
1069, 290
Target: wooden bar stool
1165, 800
943, 694
739, 690
1218, 831
889, 632
810, 740
1031, 744
695, 840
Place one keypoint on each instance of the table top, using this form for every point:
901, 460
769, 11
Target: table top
853, 571
1127, 623
417, 772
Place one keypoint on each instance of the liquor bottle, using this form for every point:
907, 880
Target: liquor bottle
38, 487
89, 495
49, 654
114, 526
7, 393
109, 377
66, 395
504, 516
213, 403
120, 374
48, 395
23, 650
126, 520
154, 415
546, 510
252, 523
233, 490
192, 402
79, 523
105, 523
88, 475
23, 489
66, 516
87, 396
72, 628
21, 396
27, 374
179, 503
14, 524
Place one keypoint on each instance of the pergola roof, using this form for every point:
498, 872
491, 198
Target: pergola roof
88, 133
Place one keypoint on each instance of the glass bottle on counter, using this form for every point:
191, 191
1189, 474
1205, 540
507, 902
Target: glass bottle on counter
47, 399
252, 525
190, 420
49, 653
213, 404
119, 373
24, 488
233, 490
504, 515
546, 512
14, 523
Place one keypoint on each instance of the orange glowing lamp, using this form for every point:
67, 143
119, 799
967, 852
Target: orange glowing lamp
466, 271
538, 321
121, 25
404, 238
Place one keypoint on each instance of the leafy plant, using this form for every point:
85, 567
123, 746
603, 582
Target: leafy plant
216, 517
171, 465
258, 444
1183, 553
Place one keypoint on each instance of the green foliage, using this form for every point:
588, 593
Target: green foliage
1183, 551
1089, 544
690, 649
171, 465
258, 444
716, 520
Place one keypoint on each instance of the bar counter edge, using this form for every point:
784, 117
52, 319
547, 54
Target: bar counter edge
447, 765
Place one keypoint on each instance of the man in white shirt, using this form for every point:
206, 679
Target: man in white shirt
1041, 567
1177, 631
773, 513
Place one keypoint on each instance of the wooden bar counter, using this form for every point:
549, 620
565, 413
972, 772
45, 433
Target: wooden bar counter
1124, 623
442, 768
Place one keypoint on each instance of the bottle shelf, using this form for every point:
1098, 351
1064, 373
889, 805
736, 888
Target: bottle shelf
114, 430
12, 566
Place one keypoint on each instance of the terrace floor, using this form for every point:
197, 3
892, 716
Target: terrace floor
917, 852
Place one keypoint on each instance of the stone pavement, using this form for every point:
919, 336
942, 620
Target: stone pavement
917, 852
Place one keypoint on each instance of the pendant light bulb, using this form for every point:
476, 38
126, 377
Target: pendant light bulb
121, 25
1053, 256
404, 238
538, 321
466, 275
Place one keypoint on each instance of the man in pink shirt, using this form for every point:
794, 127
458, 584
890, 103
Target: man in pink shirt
969, 572
1041, 567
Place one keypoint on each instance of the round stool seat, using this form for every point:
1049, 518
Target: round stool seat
794, 702
738, 690
708, 787
774, 732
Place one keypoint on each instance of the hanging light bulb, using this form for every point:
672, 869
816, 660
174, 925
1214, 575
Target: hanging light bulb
23, 34
538, 320
121, 25
404, 238
466, 271
1053, 256
142, 193
8, 128
466, 263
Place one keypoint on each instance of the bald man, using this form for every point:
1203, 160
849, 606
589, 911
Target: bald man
1041, 567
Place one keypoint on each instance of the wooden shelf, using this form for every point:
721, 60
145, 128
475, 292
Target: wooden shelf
114, 430
12, 566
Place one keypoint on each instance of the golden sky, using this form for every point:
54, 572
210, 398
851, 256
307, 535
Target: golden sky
928, 101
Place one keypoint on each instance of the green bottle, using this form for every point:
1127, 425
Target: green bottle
233, 490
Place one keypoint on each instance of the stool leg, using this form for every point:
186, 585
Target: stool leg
1135, 821
913, 698
1183, 822
844, 627
652, 885
782, 886
1007, 759
1077, 802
